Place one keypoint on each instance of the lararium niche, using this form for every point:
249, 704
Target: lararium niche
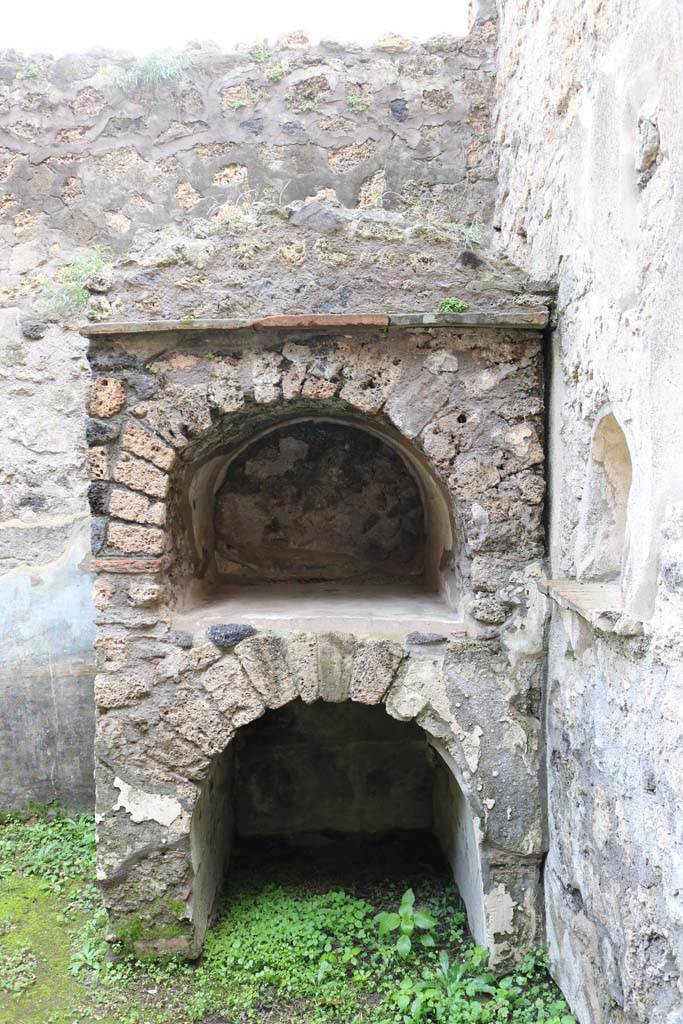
316, 513
324, 519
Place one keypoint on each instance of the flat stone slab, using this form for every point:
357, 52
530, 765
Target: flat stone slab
600, 604
517, 319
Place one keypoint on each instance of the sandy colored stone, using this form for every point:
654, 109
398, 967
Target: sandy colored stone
392, 42
140, 475
139, 441
106, 396
116, 691
137, 508
144, 593
232, 691
345, 158
374, 667
264, 659
97, 464
136, 539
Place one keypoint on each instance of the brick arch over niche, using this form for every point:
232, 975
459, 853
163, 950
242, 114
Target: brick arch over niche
460, 407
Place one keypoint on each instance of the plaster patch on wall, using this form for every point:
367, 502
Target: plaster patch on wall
146, 806
500, 910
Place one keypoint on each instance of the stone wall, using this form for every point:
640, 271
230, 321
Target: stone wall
589, 134
328, 178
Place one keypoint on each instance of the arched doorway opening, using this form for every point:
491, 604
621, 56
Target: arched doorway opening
326, 781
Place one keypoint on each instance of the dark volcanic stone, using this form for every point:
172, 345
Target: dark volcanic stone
33, 329
98, 432
293, 128
399, 110
426, 638
34, 501
229, 633
180, 638
470, 259
144, 384
111, 359
97, 497
253, 125
98, 532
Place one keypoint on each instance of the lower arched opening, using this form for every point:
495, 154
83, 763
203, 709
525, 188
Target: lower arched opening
342, 793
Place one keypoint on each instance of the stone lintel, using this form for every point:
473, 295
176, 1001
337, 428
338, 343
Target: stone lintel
517, 319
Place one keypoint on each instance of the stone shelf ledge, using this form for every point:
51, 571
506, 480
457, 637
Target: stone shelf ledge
534, 318
364, 610
600, 604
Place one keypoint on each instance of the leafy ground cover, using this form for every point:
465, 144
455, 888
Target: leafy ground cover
345, 941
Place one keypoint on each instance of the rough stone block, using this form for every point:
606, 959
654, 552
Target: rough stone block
263, 658
140, 475
106, 396
125, 504
116, 691
144, 444
98, 464
374, 667
232, 691
136, 539
144, 593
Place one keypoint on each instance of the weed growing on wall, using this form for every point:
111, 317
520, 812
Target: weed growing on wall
453, 305
294, 952
152, 70
64, 293
357, 103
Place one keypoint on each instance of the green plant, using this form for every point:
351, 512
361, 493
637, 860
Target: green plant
453, 305
237, 104
51, 849
260, 55
152, 70
357, 103
472, 234
406, 921
32, 72
479, 105
275, 74
17, 969
306, 106
282, 951
65, 294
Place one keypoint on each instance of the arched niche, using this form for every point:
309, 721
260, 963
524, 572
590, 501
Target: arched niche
244, 513
602, 534
331, 772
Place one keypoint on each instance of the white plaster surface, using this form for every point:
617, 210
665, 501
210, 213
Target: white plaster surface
144, 806
590, 136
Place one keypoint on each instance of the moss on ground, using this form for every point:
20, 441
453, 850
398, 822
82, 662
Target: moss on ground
293, 945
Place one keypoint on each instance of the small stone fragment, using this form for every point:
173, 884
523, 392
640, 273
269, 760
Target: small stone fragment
418, 638
230, 633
